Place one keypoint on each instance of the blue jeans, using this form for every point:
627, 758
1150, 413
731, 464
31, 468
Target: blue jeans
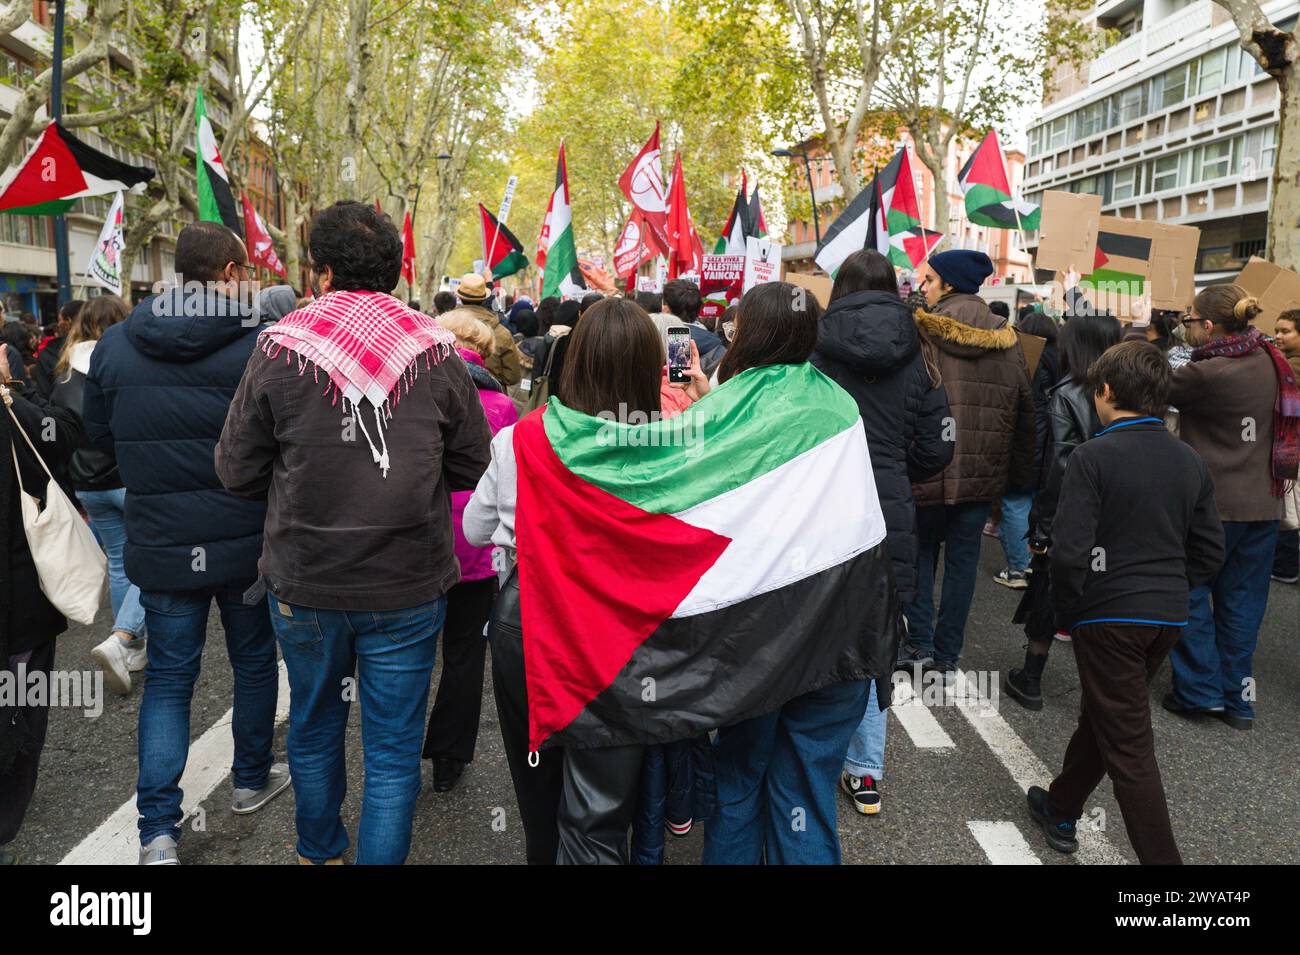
866, 756
391, 654
667, 794
107, 510
776, 779
1012, 530
178, 626
1215, 657
957, 527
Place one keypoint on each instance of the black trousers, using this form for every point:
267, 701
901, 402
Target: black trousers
453, 721
576, 805
1114, 736
18, 784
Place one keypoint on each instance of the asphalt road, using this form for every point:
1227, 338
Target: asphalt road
1233, 795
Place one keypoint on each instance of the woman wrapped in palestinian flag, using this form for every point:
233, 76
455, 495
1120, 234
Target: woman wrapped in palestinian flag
724, 569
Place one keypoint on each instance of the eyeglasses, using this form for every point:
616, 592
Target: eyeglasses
1189, 320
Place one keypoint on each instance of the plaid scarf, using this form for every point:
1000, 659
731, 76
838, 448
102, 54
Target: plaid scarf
368, 343
1286, 409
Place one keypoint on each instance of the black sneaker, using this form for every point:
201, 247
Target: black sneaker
1059, 832
446, 773
1025, 688
909, 656
1178, 708
1237, 721
862, 790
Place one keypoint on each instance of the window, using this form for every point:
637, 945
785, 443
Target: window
25, 230
1166, 173
1125, 185
1060, 131
1213, 160
1131, 104
1258, 150
1211, 71
1173, 86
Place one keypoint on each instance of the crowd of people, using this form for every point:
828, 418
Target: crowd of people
350, 478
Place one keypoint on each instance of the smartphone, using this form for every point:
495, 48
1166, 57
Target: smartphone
679, 353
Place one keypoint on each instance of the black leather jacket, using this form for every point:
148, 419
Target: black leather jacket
90, 469
1071, 420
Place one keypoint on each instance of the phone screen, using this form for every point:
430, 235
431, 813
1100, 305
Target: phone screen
679, 352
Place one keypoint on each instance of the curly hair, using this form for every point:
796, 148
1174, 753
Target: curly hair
360, 244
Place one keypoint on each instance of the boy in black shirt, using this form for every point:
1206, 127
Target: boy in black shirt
1137, 528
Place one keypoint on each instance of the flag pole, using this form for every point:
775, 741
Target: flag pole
1020, 228
62, 268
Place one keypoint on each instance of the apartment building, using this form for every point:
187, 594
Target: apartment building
1006, 248
1173, 121
27, 263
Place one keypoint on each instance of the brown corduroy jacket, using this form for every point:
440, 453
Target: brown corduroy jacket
983, 370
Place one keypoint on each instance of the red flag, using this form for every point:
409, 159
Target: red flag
378, 207
632, 246
408, 252
643, 184
687, 255
261, 251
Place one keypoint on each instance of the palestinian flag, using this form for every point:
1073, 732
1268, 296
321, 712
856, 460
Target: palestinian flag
506, 257
756, 219
738, 227
734, 558
864, 223
989, 202
562, 276
60, 169
909, 242
216, 201
1120, 260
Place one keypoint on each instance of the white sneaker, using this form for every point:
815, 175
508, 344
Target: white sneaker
136, 655
117, 661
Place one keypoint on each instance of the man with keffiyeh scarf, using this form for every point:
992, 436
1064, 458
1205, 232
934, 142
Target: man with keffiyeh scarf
355, 419
1241, 411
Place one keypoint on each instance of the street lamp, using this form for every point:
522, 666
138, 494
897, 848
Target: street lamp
812, 193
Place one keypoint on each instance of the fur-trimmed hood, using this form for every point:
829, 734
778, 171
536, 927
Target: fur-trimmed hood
961, 338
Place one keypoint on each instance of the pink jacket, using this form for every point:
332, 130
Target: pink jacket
476, 562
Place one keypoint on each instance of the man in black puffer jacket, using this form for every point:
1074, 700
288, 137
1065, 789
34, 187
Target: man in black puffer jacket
868, 344
158, 390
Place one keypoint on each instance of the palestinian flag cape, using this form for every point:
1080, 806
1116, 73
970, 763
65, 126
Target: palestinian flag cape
738, 227
562, 276
731, 559
506, 257
216, 201
989, 202
909, 242
59, 169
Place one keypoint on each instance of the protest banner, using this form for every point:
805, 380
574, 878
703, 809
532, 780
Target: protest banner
762, 262
1276, 288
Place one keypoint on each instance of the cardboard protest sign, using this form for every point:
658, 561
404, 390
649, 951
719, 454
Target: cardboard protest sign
1067, 234
819, 285
1173, 266
1033, 347
1113, 296
1137, 259
762, 262
1276, 288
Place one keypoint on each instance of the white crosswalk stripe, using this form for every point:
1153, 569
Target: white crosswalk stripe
1003, 843
917, 720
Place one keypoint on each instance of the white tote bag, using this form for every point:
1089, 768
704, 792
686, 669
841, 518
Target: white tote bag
69, 563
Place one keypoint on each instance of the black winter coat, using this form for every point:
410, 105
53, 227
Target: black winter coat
158, 390
869, 346
27, 618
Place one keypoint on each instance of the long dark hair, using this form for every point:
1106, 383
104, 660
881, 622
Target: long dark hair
1034, 322
615, 357
1083, 339
865, 270
776, 324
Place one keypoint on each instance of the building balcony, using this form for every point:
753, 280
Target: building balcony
1155, 38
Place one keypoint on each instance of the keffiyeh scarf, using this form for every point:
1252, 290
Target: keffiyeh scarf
1286, 409
369, 345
